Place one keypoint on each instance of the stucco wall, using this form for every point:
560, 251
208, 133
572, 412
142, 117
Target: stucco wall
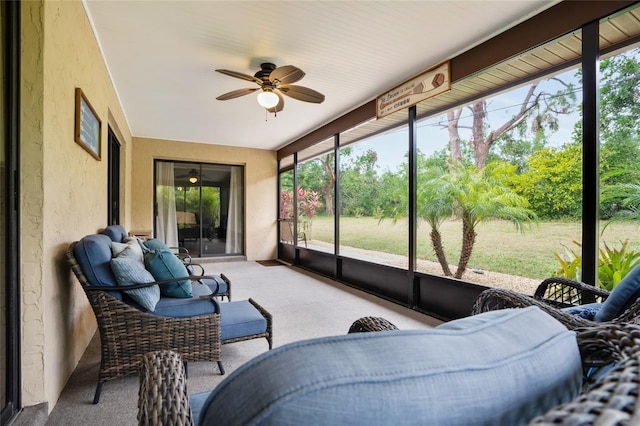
64, 189
260, 186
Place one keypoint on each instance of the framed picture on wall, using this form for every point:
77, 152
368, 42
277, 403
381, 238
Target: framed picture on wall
88, 127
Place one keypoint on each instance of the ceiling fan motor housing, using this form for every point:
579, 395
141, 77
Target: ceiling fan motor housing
265, 71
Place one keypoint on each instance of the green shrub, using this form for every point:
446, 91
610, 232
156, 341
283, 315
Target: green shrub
613, 264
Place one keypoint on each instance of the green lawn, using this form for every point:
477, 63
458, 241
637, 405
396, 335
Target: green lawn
499, 247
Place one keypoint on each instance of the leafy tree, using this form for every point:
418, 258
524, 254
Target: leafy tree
620, 135
620, 96
552, 184
359, 185
538, 112
312, 176
623, 197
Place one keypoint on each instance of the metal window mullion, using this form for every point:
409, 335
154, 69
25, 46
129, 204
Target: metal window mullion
590, 152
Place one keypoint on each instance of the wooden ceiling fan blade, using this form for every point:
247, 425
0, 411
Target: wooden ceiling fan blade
280, 106
236, 93
286, 74
302, 94
240, 75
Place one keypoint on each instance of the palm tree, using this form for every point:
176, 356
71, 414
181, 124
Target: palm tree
435, 205
472, 196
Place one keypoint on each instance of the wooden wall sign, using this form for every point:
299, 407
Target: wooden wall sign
426, 85
88, 127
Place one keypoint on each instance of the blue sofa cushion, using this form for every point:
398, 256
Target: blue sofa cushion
239, 319
587, 311
186, 307
93, 254
164, 265
116, 232
129, 269
622, 296
501, 371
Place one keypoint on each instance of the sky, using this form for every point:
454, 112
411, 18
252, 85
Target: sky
392, 148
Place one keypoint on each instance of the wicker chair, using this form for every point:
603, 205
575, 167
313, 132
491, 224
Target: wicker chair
127, 333
613, 400
552, 295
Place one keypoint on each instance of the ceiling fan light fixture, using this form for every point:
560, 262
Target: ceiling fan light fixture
268, 99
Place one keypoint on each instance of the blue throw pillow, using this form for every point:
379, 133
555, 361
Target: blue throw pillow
115, 232
155, 244
129, 270
622, 296
165, 265
117, 248
93, 254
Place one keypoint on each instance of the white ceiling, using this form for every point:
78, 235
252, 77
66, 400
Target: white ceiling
162, 55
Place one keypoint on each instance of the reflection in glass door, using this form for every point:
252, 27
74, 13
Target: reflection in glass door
200, 207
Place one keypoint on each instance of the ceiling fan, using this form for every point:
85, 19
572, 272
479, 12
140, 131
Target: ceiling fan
193, 176
273, 83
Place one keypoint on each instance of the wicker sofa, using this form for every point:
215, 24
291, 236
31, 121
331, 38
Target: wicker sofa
194, 324
507, 367
573, 303
350, 389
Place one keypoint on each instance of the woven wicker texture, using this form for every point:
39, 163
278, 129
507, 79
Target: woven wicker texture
551, 295
613, 399
163, 397
366, 324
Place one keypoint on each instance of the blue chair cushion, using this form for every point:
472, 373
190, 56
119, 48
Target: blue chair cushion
186, 307
129, 269
215, 283
587, 311
116, 232
504, 369
621, 298
93, 254
164, 265
240, 319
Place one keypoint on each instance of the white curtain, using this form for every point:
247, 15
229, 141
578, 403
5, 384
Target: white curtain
166, 224
234, 220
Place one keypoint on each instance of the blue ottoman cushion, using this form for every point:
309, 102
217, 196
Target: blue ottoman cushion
239, 319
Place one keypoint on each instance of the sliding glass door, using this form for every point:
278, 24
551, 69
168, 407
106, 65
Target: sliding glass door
200, 207
10, 372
